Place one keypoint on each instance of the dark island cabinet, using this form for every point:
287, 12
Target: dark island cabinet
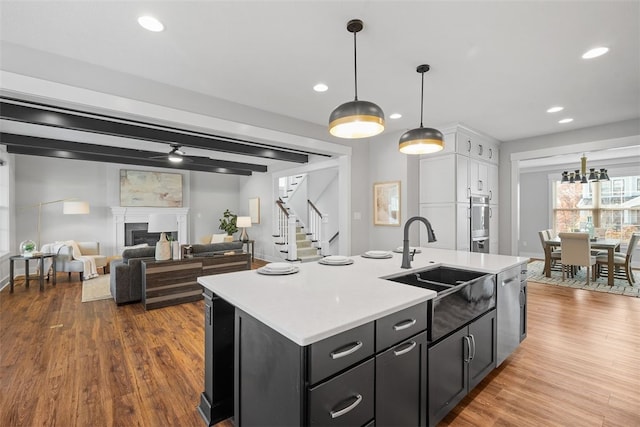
339, 381
457, 363
401, 384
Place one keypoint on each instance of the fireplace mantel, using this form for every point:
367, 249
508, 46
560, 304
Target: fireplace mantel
123, 215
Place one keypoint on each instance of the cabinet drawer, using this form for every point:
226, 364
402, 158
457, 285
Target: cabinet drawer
336, 353
346, 400
401, 325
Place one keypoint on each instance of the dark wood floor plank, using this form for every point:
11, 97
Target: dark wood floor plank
68, 363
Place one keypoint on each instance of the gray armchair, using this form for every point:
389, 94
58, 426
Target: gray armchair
66, 263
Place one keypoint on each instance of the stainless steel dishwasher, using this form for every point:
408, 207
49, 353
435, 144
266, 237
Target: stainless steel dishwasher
511, 310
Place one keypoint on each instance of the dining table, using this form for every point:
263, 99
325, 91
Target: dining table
610, 245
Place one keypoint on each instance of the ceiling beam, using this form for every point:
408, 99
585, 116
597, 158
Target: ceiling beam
63, 118
36, 146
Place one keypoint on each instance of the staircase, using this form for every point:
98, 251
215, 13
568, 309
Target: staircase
306, 249
307, 252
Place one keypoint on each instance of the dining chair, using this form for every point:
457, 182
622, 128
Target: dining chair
576, 251
551, 257
621, 260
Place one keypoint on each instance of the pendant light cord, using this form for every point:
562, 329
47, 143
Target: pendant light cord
422, 100
355, 66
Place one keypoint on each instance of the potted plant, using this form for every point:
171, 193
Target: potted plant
228, 223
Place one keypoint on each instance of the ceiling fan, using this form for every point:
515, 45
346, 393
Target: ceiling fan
176, 155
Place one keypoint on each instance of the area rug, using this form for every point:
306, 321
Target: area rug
96, 289
535, 273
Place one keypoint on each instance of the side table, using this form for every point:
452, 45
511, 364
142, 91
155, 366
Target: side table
40, 258
249, 243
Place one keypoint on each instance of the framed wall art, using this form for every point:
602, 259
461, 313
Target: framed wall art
386, 203
150, 189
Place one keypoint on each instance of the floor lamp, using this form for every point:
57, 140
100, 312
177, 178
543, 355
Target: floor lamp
162, 223
69, 207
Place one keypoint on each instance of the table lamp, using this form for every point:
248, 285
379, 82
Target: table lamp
244, 222
162, 223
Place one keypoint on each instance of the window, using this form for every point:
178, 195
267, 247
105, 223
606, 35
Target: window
613, 207
4, 209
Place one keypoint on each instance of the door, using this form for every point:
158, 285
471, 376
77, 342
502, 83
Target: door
483, 348
401, 383
443, 220
447, 375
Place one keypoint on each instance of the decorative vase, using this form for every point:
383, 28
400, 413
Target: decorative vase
163, 248
228, 238
27, 248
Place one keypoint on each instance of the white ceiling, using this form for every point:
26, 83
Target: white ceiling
496, 66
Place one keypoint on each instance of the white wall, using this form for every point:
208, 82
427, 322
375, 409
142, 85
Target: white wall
534, 212
386, 163
41, 179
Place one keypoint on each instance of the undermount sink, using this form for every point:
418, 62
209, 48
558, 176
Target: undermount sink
438, 279
462, 295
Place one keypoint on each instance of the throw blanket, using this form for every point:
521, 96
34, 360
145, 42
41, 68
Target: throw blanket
90, 270
52, 248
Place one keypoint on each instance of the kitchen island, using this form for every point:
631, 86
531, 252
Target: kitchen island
277, 331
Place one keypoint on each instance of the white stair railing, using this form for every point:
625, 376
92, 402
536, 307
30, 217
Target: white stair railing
292, 251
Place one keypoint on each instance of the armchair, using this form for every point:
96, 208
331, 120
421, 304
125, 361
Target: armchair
67, 262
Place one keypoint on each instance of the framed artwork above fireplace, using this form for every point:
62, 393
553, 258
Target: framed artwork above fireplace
150, 189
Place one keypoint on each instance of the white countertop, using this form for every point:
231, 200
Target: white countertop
323, 300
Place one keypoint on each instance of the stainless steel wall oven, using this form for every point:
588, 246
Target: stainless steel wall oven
479, 231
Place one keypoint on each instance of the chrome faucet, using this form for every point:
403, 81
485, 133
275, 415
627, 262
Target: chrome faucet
431, 237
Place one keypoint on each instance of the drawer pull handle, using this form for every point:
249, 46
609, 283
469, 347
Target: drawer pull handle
336, 414
410, 347
404, 325
353, 347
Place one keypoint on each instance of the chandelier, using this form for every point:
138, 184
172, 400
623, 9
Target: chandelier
581, 174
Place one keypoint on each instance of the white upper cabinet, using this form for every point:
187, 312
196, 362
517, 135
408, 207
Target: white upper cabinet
477, 147
468, 165
461, 174
437, 180
478, 178
493, 184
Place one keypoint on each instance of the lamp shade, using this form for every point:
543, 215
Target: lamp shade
421, 141
159, 223
75, 208
356, 119
243, 221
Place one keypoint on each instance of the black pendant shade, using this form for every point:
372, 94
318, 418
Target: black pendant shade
356, 119
421, 140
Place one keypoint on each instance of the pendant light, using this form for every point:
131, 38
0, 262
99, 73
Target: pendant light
421, 140
356, 119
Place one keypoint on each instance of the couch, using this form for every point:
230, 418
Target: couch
126, 273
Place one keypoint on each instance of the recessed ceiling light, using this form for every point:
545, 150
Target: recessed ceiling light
595, 52
555, 109
321, 87
150, 23
567, 120
395, 116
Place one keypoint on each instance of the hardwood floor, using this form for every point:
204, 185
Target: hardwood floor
67, 363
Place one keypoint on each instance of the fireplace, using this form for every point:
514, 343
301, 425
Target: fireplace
130, 226
135, 233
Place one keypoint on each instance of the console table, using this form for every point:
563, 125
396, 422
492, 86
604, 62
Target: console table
38, 257
174, 282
